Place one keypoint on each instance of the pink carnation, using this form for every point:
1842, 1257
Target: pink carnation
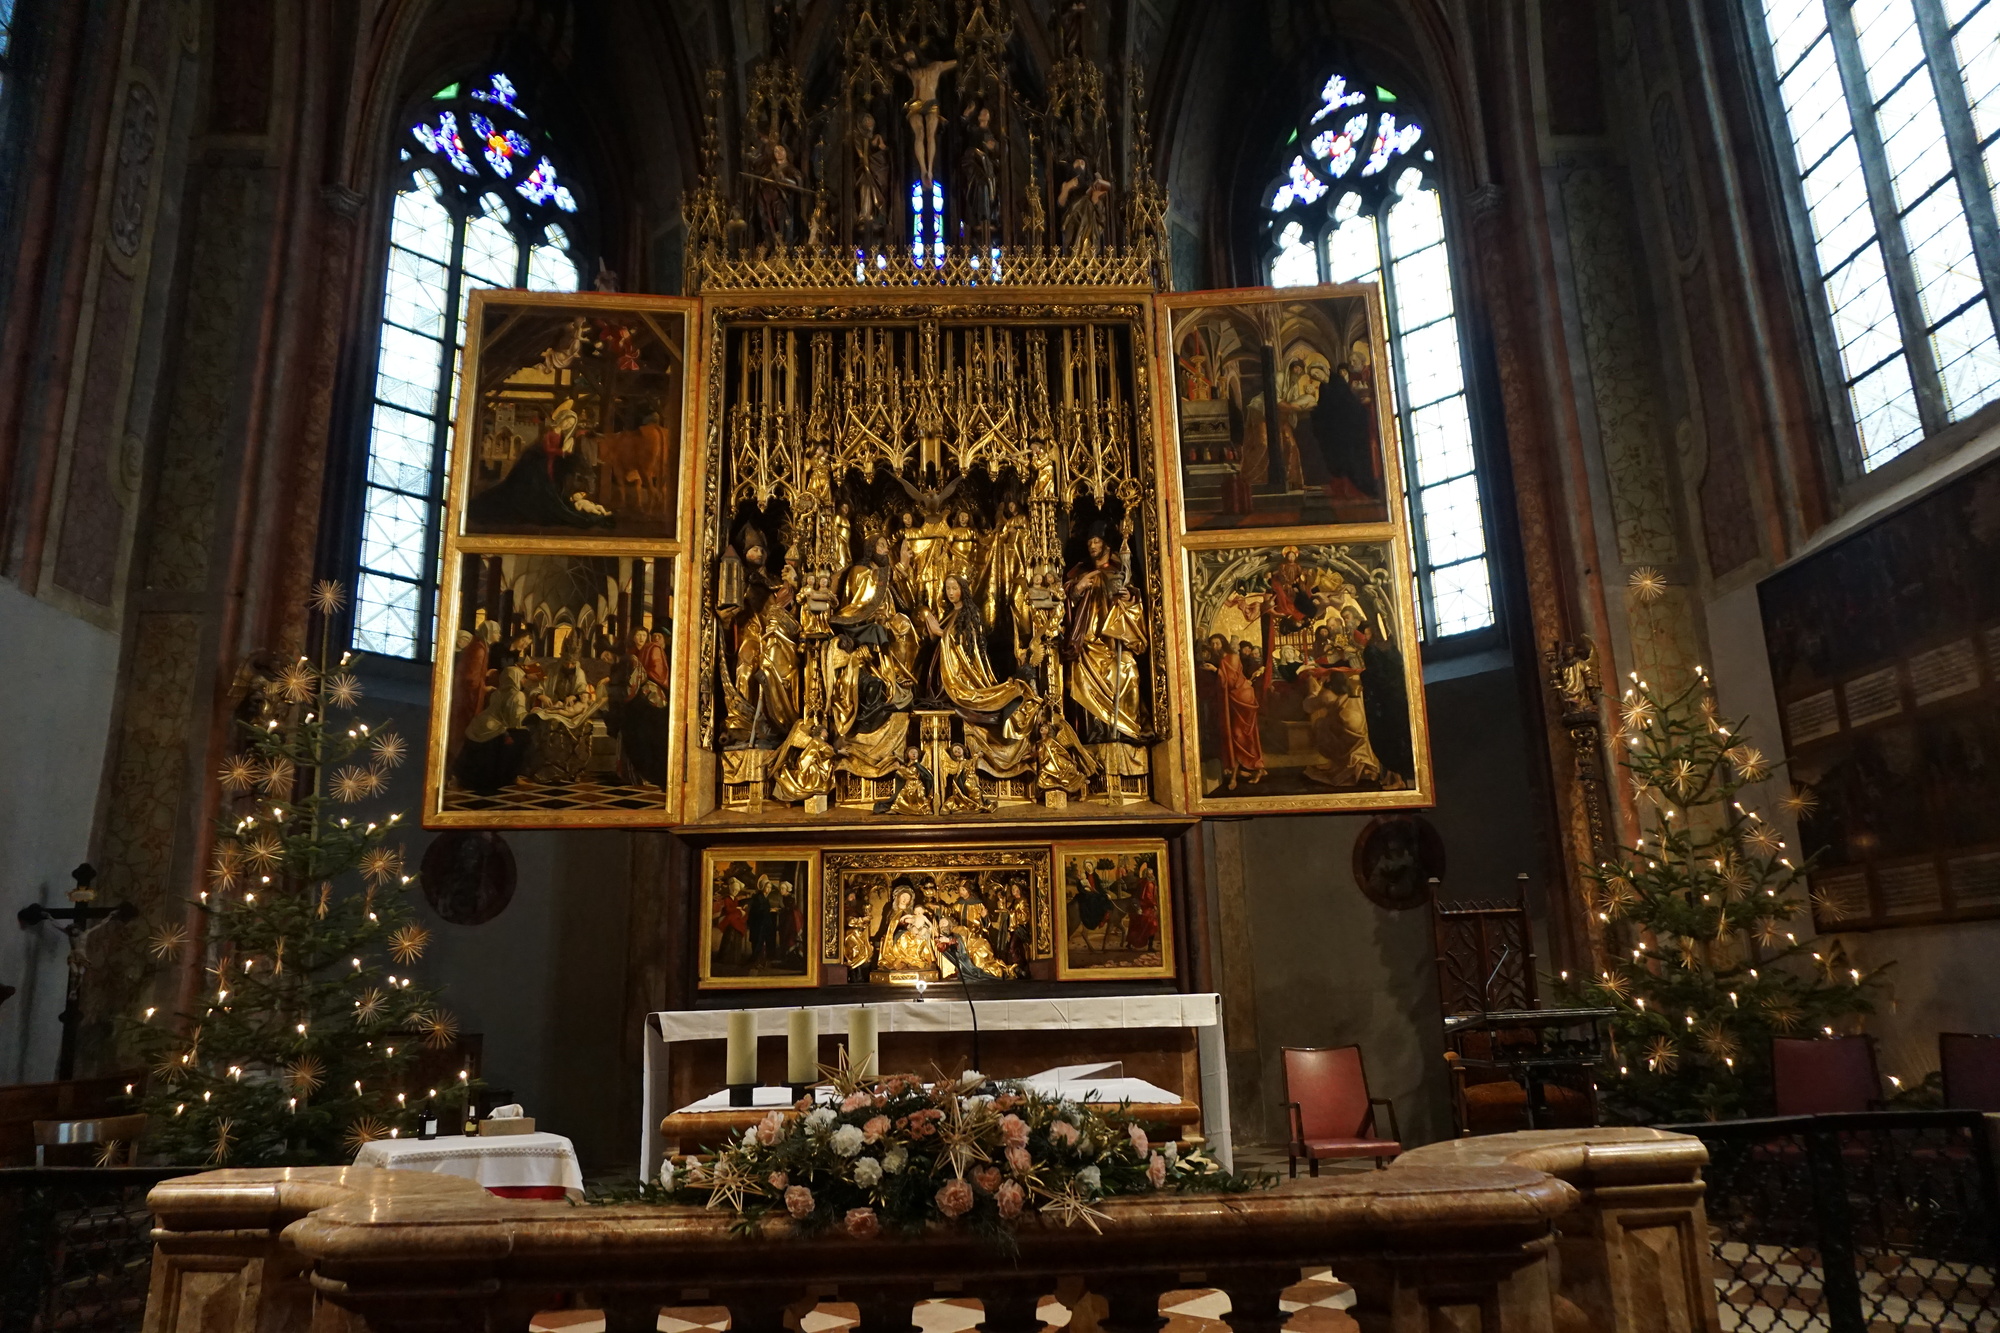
1139, 1144
771, 1128
1011, 1198
798, 1201
855, 1101
1013, 1131
1156, 1171
955, 1199
778, 1180
877, 1126
1018, 1159
1062, 1131
987, 1178
863, 1222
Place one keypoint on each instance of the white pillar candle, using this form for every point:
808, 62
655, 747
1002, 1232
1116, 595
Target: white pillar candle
862, 1055
740, 1065
801, 1046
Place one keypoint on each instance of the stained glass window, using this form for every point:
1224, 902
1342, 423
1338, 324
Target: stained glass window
1359, 206
461, 221
1893, 112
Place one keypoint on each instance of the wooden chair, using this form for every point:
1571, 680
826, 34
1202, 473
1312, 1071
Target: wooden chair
1970, 1064
107, 1133
1326, 1092
1824, 1075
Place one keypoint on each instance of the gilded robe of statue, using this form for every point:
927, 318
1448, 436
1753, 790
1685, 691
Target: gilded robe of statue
964, 671
803, 764
870, 666
1105, 638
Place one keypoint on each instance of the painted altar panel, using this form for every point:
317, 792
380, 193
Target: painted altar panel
556, 704
760, 917
1306, 677
1281, 413
899, 916
1114, 911
573, 420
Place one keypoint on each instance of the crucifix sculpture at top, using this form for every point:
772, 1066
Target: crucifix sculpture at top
925, 116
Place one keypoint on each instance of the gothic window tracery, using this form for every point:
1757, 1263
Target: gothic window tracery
1358, 192
1892, 109
482, 204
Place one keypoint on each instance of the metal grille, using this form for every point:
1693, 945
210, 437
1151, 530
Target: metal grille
1871, 1223
76, 1249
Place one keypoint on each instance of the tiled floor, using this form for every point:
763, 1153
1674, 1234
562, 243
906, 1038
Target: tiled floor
1778, 1289
1317, 1304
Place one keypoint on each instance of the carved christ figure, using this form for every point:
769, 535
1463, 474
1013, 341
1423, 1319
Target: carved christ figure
922, 108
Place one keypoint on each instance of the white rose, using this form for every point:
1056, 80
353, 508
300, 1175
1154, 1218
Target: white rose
1091, 1179
847, 1140
895, 1159
667, 1174
868, 1173
821, 1118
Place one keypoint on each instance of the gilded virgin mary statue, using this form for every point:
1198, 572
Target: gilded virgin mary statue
1104, 640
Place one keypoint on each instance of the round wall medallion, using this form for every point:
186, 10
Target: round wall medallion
1395, 859
468, 876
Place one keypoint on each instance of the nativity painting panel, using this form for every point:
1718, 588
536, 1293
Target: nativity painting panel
1306, 679
1115, 920
576, 422
759, 918
970, 915
1281, 410
557, 706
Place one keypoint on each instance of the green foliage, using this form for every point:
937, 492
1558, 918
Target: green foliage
307, 1017
1701, 922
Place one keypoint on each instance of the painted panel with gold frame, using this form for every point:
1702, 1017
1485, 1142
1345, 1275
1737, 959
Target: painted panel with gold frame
575, 415
760, 912
555, 705
1301, 653
1278, 415
934, 914
1115, 919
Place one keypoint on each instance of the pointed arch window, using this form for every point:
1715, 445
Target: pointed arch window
1892, 109
1357, 203
481, 203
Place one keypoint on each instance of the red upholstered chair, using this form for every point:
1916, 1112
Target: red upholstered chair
1970, 1063
1825, 1075
1326, 1092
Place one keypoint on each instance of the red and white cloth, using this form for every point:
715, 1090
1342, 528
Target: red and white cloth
513, 1166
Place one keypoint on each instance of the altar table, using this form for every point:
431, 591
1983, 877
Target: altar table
513, 1166
1200, 1013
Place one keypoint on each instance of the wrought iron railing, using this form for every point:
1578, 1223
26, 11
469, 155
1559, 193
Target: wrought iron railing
76, 1248
1869, 1223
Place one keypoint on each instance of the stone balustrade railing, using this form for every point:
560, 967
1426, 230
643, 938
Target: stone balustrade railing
1530, 1233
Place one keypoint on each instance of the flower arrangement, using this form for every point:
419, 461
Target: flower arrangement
898, 1155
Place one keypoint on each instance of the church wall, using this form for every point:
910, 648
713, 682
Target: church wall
1327, 967
61, 673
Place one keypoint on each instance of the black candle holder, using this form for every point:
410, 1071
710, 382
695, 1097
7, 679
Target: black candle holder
742, 1094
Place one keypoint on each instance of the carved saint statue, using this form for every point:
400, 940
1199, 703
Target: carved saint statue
1106, 638
979, 180
871, 177
762, 687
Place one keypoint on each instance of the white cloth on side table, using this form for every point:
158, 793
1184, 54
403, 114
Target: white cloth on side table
507, 1160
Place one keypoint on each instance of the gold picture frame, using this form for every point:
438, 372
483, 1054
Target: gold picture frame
1312, 360
997, 882
1125, 886
574, 370
555, 704
1286, 715
767, 915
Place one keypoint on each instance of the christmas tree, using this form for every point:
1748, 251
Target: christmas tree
1703, 959
307, 1018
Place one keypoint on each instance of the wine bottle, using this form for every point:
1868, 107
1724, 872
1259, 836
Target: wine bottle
427, 1123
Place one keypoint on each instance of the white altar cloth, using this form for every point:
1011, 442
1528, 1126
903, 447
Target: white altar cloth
505, 1161
1202, 1012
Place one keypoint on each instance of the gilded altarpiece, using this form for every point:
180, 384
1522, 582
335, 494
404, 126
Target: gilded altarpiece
928, 532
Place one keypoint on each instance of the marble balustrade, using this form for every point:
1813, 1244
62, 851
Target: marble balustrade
1550, 1232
